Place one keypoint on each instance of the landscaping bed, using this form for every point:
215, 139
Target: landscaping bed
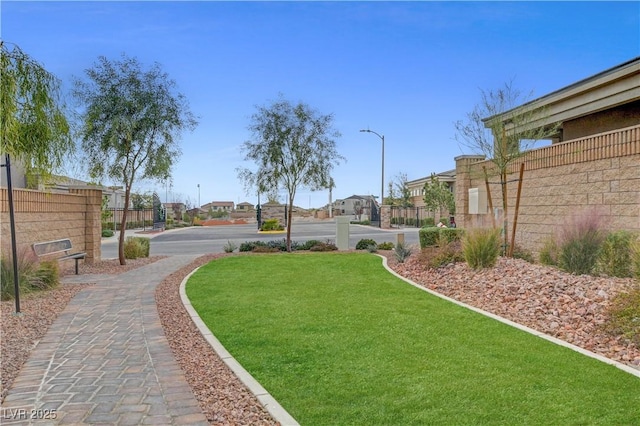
569, 307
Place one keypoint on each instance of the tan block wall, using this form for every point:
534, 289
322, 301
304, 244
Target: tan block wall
44, 216
601, 172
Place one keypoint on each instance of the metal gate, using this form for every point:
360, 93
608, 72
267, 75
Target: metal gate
415, 217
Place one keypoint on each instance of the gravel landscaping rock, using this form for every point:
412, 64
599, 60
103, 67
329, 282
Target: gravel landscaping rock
569, 307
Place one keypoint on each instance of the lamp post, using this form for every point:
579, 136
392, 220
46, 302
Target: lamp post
382, 181
198, 199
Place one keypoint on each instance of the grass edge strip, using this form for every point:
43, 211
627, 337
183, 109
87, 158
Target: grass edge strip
262, 395
524, 328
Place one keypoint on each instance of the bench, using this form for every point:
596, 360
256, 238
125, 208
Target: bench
58, 246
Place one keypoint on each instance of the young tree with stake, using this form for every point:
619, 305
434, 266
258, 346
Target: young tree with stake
503, 127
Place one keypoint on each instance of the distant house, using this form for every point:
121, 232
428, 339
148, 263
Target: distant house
357, 206
244, 207
219, 206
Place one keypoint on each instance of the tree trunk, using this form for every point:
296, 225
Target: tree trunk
289, 216
123, 226
503, 183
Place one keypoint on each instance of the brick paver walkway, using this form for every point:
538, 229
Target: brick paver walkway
105, 360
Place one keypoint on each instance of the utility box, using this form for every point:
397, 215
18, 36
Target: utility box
342, 232
477, 201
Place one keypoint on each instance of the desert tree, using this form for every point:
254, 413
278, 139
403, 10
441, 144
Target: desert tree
502, 127
131, 120
33, 126
438, 196
404, 194
292, 146
398, 192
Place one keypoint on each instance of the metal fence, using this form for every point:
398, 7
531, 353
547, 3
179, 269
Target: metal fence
136, 219
416, 217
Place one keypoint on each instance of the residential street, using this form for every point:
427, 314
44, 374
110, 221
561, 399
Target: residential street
211, 239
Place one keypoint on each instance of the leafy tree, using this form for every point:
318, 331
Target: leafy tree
293, 146
105, 213
141, 201
404, 194
437, 196
33, 126
130, 124
503, 127
398, 193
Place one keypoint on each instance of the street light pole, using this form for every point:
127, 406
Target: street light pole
199, 199
382, 180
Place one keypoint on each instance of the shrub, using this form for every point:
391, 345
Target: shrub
441, 254
106, 233
635, 257
523, 253
132, 248
250, 245
431, 236
308, 244
265, 249
401, 252
428, 222
580, 242
324, 247
481, 247
271, 225
428, 236
549, 252
444, 220
230, 247
280, 245
135, 247
385, 246
372, 248
624, 315
614, 259
364, 244
48, 274
450, 234
28, 279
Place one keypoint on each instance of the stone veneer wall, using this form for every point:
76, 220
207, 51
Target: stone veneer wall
46, 216
600, 171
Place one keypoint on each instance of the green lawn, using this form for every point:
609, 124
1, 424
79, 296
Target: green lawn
337, 339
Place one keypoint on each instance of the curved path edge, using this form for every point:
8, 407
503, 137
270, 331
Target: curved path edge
529, 330
264, 397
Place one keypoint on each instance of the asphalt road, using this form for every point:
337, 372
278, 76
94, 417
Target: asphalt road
211, 239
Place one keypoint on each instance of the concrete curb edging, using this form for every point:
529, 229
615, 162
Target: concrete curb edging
537, 333
268, 402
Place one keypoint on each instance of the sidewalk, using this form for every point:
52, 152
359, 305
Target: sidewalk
105, 360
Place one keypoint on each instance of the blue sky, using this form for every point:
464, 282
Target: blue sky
407, 70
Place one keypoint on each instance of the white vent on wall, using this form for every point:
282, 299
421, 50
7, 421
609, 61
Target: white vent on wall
477, 201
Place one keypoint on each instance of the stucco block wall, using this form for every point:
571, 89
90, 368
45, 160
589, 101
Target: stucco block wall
600, 172
43, 216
